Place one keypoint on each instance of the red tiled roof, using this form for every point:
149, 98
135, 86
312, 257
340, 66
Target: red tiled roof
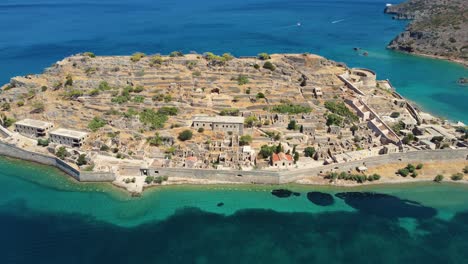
191, 158
282, 156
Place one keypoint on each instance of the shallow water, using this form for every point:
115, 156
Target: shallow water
46, 216
36, 34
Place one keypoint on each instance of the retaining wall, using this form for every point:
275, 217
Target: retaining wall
15, 152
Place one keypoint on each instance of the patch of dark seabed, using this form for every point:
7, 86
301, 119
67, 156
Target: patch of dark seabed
386, 205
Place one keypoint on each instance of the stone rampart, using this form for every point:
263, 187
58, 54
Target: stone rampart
15, 152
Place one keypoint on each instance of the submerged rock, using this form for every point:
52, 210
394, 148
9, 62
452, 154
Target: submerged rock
386, 205
319, 198
296, 194
282, 193
220, 204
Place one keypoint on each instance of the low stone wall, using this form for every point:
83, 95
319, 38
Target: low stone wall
15, 152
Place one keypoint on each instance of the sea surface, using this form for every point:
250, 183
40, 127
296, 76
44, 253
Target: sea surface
36, 33
47, 217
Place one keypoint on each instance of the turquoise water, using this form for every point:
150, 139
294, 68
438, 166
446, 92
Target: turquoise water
37, 33
47, 217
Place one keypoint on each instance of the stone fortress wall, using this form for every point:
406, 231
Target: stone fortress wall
15, 152
236, 176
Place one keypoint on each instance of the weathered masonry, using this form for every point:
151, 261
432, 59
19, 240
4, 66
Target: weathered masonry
233, 124
68, 137
33, 128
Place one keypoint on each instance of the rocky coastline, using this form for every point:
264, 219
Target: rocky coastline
438, 29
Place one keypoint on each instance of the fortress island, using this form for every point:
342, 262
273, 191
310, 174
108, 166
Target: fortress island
139, 121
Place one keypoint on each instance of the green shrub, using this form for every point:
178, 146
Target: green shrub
410, 167
42, 142
292, 125
138, 89
465, 170
6, 107
333, 119
256, 66
229, 112
438, 178
260, 95
266, 151
176, 54
201, 130
149, 179
43, 88
264, 56
38, 107
138, 99
104, 86
339, 108
156, 60
81, 160
137, 56
185, 135
414, 174
104, 148
96, 123
290, 109
93, 92
7, 121
457, 177
245, 140
419, 166
61, 153
69, 80
269, 66
403, 172
72, 94
89, 54
242, 79
250, 121
394, 114
153, 119
168, 110
309, 151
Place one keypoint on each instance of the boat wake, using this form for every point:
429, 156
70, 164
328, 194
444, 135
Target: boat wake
337, 21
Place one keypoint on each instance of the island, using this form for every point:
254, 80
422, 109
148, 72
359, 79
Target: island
439, 28
149, 120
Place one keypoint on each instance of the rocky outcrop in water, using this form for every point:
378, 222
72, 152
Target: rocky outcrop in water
438, 28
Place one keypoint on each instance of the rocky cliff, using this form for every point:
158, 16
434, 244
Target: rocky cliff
438, 28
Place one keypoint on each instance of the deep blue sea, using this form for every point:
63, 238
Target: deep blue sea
45, 217
36, 33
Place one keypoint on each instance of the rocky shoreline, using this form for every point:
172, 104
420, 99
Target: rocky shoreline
439, 29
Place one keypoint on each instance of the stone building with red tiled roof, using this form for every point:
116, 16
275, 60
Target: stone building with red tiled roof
281, 160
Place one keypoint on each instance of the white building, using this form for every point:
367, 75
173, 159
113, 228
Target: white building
68, 137
33, 128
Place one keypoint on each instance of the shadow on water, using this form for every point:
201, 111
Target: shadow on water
385, 205
320, 198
